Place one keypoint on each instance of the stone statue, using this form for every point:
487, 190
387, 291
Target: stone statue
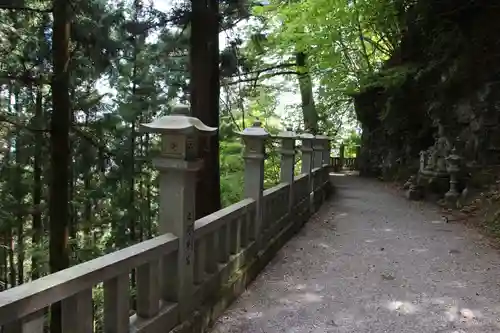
422, 161
431, 158
443, 148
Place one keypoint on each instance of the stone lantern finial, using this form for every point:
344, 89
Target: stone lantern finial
255, 130
181, 109
306, 136
288, 133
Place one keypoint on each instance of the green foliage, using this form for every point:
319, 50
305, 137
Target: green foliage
231, 165
390, 78
346, 43
351, 142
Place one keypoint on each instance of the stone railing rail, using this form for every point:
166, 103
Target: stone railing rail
188, 275
341, 162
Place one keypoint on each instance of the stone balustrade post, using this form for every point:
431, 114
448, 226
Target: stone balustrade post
254, 155
307, 164
325, 172
177, 164
307, 152
287, 151
317, 151
328, 151
324, 141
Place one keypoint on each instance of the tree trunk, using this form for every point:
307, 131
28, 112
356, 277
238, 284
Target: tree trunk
12, 266
205, 91
3, 262
309, 111
18, 192
149, 211
4, 272
72, 221
37, 230
87, 177
10, 271
60, 152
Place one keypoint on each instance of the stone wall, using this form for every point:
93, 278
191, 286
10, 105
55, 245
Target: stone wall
452, 57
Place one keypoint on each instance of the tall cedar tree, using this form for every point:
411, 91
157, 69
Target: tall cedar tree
60, 152
205, 91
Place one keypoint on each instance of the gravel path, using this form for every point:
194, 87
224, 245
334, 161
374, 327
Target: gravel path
371, 261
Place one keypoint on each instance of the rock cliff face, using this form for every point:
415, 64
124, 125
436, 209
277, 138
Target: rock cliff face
450, 59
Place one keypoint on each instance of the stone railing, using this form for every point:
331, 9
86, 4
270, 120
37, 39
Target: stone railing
188, 275
341, 162
349, 163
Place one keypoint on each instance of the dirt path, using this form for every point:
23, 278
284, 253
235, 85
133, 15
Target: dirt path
371, 261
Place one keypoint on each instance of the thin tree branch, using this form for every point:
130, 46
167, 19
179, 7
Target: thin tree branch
259, 71
93, 141
230, 114
268, 76
4, 119
34, 10
377, 46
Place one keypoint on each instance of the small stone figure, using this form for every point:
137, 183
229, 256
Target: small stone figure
410, 181
431, 159
443, 149
414, 192
422, 161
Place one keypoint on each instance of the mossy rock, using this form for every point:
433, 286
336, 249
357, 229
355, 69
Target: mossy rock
481, 177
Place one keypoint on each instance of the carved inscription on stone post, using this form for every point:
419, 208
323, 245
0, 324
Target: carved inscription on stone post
189, 237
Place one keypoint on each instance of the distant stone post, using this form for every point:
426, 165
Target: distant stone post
254, 155
325, 151
341, 155
328, 151
287, 151
325, 172
178, 163
358, 157
307, 164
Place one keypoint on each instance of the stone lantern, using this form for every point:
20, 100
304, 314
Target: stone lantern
177, 164
453, 168
254, 154
307, 164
